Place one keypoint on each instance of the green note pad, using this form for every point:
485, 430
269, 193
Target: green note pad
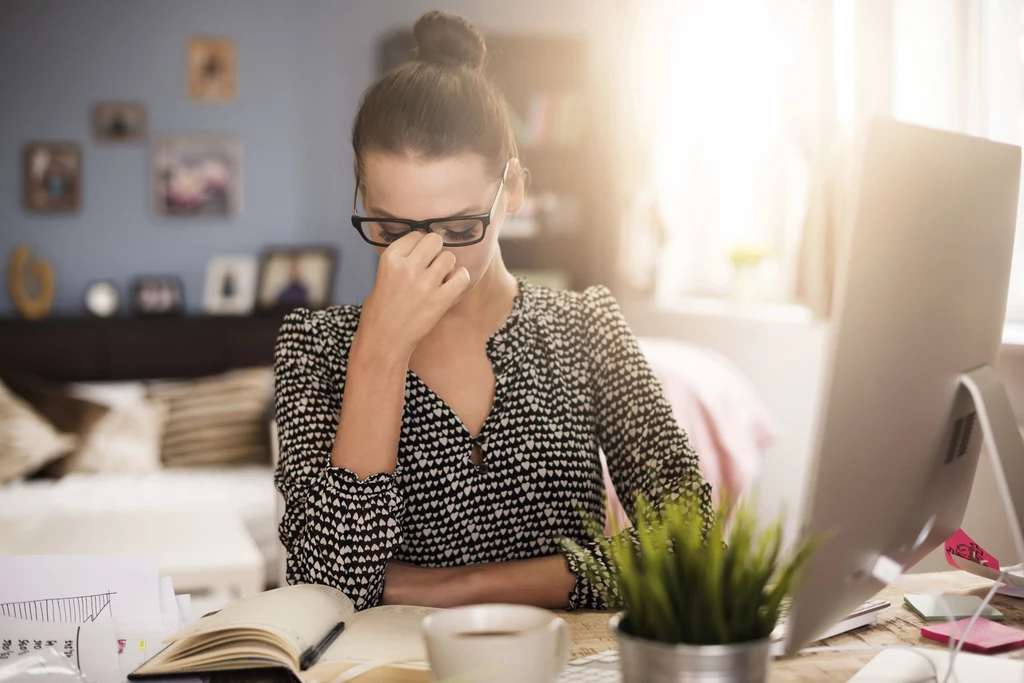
929, 608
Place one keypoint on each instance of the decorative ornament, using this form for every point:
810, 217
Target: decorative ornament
32, 283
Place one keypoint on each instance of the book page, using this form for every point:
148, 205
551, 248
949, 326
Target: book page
301, 614
387, 634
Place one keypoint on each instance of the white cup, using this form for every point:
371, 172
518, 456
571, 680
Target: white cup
496, 644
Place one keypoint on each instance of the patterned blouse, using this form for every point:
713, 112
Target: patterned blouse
570, 379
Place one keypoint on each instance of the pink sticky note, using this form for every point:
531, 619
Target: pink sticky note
963, 546
985, 636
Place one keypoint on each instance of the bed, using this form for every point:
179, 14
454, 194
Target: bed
121, 350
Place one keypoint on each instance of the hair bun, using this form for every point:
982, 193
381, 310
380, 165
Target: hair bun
445, 38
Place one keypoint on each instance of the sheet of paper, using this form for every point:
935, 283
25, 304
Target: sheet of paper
1011, 590
184, 610
168, 605
135, 646
80, 588
90, 646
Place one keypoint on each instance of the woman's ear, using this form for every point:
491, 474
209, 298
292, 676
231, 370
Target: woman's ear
516, 182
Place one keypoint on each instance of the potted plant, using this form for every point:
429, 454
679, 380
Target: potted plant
700, 598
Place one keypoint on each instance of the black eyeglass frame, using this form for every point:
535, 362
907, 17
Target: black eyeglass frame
484, 218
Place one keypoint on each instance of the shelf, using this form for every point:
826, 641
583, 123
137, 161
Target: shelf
123, 348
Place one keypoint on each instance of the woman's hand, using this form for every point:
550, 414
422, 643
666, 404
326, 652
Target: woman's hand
417, 282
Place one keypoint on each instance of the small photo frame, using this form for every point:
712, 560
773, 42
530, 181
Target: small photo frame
197, 175
230, 285
296, 277
53, 177
212, 69
119, 121
158, 295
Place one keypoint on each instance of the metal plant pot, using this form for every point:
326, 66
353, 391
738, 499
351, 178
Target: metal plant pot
646, 661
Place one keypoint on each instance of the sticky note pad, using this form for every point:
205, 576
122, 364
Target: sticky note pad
929, 608
985, 636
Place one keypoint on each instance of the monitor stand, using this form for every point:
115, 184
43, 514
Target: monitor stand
1002, 440
1006, 450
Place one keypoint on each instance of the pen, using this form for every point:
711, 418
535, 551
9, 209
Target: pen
310, 656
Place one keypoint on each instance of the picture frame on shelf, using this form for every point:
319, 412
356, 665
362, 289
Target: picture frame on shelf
293, 277
119, 121
230, 287
52, 177
158, 295
212, 69
197, 175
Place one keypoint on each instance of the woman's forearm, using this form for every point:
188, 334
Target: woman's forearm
369, 428
542, 581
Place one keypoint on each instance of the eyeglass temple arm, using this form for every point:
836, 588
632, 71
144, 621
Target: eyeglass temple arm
501, 186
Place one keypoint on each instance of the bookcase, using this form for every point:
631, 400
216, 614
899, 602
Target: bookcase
567, 228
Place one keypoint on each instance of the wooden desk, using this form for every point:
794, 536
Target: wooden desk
896, 626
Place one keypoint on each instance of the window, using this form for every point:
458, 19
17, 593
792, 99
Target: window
960, 66
732, 101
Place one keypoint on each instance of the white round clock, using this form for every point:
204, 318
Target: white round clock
102, 298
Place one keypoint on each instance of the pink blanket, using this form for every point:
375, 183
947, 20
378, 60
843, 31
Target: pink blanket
716, 405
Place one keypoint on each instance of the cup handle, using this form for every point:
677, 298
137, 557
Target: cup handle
560, 633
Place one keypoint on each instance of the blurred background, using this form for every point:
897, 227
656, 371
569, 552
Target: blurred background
175, 175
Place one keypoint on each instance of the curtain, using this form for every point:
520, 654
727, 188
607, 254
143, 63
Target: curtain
730, 103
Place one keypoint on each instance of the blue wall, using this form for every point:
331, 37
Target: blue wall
302, 66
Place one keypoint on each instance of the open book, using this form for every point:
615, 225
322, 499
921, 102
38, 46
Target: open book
273, 630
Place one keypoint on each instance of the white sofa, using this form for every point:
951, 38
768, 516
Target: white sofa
247, 491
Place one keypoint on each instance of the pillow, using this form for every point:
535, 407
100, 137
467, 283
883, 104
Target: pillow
111, 394
126, 439
27, 441
68, 413
218, 420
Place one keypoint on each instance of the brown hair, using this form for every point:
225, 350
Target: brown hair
439, 105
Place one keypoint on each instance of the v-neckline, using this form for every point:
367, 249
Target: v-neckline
497, 367
411, 374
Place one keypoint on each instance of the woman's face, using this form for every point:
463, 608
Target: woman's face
419, 189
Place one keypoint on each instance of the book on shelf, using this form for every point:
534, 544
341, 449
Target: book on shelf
550, 120
275, 629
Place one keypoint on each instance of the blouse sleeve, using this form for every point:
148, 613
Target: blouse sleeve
647, 451
337, 530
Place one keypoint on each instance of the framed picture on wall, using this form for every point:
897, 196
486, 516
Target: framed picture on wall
230, 285
197, 175
295, 277
158, 295
53, 177
212, 69
119, 121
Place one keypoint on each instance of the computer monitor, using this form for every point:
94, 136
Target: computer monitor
917, 325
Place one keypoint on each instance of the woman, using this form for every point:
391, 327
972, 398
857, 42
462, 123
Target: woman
438, 442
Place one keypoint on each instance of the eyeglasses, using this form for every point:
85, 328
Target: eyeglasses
456, 231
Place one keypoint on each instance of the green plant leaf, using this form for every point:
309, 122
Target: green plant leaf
685, 574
